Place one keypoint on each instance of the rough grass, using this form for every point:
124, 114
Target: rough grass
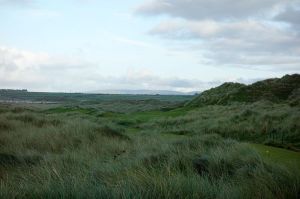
260, 122
74, 156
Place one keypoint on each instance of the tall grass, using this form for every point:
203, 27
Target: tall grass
55, 156
262, 122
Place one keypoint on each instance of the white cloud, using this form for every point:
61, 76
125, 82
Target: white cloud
45, 72
12, 59
19, 68
236, 33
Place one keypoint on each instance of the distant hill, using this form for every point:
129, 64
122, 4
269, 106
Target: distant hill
142, 92
275, 90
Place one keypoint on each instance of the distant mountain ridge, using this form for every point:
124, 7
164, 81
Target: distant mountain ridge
143, 92
275, 90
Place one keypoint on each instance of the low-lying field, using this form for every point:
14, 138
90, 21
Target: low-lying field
85, 152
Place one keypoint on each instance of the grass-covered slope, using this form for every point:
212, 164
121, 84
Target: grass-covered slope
218, 95
275, 90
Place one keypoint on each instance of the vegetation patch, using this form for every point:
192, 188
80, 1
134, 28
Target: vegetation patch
114, 132
115, 146
7, 160
275, 90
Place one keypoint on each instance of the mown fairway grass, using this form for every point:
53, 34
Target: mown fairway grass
278, 155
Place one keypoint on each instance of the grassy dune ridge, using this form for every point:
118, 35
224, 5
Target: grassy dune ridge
275, 90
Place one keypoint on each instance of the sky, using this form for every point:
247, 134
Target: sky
178, 45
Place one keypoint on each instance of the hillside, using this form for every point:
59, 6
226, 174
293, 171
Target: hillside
275, 90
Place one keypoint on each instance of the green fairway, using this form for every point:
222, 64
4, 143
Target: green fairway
278, 155
146, 116
130, 119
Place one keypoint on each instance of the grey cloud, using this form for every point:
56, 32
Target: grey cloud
243, 42
230, 32
209, 29
291, 15
258, 61
208, 9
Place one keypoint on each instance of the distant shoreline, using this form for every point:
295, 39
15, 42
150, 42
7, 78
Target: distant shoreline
26, 102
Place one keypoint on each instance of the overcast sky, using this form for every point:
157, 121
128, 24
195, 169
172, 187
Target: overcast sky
180, 45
